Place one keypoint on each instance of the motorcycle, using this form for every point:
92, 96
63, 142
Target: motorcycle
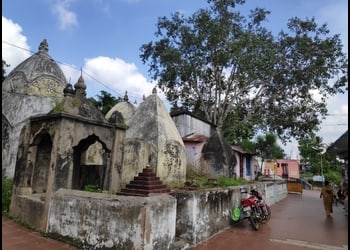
248, 209
252, 207
264, 210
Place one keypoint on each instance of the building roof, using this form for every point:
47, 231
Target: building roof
288, 161
241, 150
339, 147
195, 138
186, 112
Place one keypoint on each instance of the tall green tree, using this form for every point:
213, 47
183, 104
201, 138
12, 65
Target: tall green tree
217, 62
312, 152
267, 148
236, 129
105, 101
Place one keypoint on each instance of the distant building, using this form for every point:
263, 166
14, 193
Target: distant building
284, 168
207, 151
340, 149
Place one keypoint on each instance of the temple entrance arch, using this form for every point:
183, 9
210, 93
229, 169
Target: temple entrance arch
90, 163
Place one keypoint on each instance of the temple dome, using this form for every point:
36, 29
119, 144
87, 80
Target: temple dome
37, 75
122, 112
32, 88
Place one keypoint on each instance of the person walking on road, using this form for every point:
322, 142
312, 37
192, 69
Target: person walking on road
327, 195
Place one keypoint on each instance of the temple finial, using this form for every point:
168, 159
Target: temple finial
44, 47
126, 98
154, 91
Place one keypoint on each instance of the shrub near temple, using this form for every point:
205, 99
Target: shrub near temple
6, 194
92, 188
202, 180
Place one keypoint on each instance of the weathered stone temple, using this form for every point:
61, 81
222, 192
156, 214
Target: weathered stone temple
89, 148
61, 141
32, 88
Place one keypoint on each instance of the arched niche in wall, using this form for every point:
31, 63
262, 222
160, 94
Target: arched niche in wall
90, 163
39, 162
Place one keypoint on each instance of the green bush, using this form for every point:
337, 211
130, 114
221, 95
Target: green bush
204, 180
59, 108
92, 188
225, 181
7, 184
333, 177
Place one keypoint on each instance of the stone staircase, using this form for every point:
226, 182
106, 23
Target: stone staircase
144, 184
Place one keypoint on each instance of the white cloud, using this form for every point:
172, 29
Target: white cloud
71, 73
337, 122
114, 76
66, 18
15, 48
118, 75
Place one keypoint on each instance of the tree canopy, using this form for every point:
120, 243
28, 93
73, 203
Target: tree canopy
4, 65
105, 101
230, 69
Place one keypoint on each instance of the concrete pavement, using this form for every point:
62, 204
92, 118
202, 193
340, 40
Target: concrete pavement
298, 222
17, 237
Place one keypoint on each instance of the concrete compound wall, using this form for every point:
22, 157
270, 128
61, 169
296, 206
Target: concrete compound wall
203, 213
275, 191
104, 221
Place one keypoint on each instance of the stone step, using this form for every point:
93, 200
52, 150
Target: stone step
145, 187
147, 174
144, 184
147, 170
147, 182
146, 178
131, 191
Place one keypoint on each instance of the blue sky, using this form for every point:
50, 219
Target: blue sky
103, 37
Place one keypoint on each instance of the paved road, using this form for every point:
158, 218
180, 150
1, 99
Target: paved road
298, 222
16, 237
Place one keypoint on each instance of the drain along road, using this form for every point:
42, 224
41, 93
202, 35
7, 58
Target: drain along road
298, 222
